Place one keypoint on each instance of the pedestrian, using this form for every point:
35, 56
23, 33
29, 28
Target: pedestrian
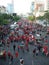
45, 50
21, 61
14, 47
39, 47
22, 47
8, 42
9, 54
27, 48
11, 60
23, 50
34, 51
17, 54
3, 42
37, 51
18, 48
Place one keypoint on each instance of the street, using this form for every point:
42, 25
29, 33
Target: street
29, 58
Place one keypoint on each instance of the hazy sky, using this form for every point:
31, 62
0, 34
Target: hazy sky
20, 6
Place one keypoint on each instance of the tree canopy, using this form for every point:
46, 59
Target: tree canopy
4, 18
32, 18
46, 16
40, 17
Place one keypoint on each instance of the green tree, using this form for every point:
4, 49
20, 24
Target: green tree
40, 18
1, 19
16, 18
5, 21
32, 18
46, 16
5, 18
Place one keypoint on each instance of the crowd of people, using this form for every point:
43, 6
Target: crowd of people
25, 35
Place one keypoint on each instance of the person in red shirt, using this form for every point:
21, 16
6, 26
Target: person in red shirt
45, 48
23, 37
27, 48
27, 39
17, 54
19, 38
9, 54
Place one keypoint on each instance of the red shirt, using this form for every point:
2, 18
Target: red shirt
45, 49
17, 54
24, 37
4, 54
27, 39
11, 38
9, 53
19, 47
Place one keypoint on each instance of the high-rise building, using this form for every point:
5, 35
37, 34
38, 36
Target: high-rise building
10, 7
47, 4
3, 9
40, 6
32, 6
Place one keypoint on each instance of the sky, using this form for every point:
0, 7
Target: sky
20, 6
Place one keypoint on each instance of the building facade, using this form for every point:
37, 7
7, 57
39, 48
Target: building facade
10, 8
40, 6
3, 9
48, 4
